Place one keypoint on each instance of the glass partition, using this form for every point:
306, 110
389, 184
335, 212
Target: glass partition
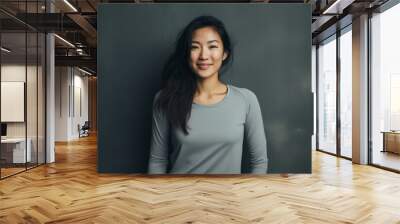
13, 91
22, 77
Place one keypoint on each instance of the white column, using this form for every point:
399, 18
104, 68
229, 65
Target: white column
50, 93
360, 90
50, 100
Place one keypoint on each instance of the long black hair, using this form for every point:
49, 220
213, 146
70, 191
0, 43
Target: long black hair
178, 80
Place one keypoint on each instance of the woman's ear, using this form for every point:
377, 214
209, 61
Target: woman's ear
224, 56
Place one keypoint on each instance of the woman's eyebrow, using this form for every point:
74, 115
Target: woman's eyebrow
212, 41
208, 42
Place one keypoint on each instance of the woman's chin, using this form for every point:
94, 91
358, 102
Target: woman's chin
204, 75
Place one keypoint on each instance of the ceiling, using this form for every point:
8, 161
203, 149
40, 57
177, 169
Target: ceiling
76, 22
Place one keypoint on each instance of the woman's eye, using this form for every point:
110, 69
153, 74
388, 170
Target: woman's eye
194, 47
213, 46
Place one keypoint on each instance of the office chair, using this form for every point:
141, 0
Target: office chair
84, 130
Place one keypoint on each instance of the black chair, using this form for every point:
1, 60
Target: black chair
84, 130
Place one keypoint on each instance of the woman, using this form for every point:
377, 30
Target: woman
199, 122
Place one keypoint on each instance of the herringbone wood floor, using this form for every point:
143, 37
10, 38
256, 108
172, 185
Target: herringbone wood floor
71, 191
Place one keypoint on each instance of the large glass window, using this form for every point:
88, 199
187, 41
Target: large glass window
385, 88
346, 92
327, 95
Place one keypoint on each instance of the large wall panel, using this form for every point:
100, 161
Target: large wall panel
272, 58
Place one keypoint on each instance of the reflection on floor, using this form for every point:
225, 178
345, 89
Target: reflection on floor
346, 152
10, 169
386, 159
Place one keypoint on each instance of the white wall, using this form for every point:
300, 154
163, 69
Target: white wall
9, 73
71, 102
17, 73
80, 111
62, 81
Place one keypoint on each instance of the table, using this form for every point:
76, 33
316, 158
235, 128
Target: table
13, 150
391, 141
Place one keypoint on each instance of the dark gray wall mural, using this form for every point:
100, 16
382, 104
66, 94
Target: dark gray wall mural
272, 44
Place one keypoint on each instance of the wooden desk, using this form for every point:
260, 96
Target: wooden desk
391, 141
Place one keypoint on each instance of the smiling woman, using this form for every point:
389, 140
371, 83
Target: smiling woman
199, 122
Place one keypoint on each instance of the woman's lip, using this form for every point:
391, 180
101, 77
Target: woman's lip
203, 66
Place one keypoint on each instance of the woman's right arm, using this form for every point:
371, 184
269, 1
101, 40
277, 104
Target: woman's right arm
158, 161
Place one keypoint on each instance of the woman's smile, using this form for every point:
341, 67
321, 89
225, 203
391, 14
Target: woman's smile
204, 66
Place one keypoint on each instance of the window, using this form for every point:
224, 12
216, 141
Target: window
385, 88
327, 95
346, 92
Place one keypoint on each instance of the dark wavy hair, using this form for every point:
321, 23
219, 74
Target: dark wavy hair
178, 79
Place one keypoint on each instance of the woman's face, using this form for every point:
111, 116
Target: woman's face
207, 52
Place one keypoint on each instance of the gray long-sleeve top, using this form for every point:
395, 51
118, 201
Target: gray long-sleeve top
214, 144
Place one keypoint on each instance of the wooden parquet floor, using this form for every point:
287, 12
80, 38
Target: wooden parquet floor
71, 191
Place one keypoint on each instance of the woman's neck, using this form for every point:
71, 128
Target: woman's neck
210, 86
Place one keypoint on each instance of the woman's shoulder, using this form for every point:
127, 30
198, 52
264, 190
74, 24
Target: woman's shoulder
156, 101
248, 97
245, 93
157, 94
156, 97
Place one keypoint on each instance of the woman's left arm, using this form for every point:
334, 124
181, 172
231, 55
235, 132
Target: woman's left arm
255, 136
158, 161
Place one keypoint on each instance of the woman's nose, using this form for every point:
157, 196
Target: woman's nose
204, 53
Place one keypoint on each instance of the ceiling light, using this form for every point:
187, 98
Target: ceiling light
5, 50
70, 5
86, 72
65, 41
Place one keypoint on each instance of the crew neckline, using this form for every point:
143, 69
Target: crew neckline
217, 103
